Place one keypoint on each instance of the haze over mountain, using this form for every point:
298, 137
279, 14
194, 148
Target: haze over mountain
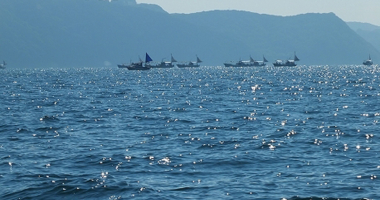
370, 32
94, 33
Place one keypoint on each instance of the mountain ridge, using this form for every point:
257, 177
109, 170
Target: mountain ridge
72, 33
283, 33
370, 32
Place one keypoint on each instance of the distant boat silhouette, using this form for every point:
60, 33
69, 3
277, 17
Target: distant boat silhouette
368, 62
286, 63
138, 65
249, 63
2, 65
162, 64
190, 64
259, 63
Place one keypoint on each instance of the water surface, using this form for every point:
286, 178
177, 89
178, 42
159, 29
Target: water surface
204, 133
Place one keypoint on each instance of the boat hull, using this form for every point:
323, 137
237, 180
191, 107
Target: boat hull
284, 65
243, 65
367, 63
138, 66
186, 66
161, 66
122, 66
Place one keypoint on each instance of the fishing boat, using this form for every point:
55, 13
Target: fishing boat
190, 64
249, 63
131, 64
137, 65
2, 65
368, 62
286, 63
162, 64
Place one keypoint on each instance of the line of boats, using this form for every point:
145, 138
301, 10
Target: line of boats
149, 64
254, 63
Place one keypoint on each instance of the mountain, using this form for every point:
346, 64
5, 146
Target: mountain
370, 32
362, 26
317, 38
77, 33
95, 33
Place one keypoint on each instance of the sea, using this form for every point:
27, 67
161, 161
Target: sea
283, 133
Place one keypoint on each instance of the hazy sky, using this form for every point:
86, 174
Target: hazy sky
348, 10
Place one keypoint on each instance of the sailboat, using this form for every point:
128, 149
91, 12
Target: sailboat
138, 65
368, 62
287, 63
240, 63
2, 65
190, 64
163, 64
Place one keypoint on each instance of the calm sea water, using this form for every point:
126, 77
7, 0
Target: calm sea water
307, 132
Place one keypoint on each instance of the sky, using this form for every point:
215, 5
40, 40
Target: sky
367, 11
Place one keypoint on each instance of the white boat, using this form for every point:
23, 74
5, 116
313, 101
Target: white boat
190, 64
138, 65
249, 63
2, 65
286, 63
162, 64
368, 62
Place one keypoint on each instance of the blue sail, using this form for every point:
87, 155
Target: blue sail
147, 58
